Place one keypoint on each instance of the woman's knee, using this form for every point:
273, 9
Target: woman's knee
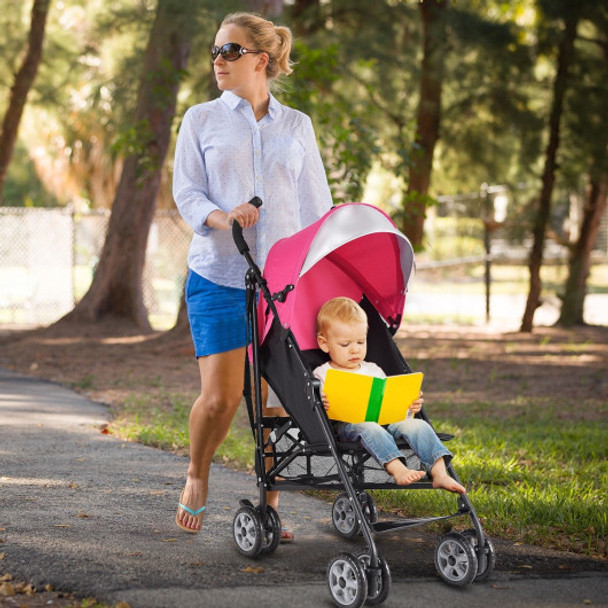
217, 405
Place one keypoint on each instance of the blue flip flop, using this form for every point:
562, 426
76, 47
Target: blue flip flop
192, 512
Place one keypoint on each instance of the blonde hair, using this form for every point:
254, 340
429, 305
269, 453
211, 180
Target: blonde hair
274, 40
340, 309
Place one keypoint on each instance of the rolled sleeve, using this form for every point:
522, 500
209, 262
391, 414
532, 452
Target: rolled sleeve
190, 185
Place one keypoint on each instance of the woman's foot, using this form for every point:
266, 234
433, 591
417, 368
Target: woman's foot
286, 535
402, 475
190, 509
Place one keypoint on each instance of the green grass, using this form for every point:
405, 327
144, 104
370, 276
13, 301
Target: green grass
531, 477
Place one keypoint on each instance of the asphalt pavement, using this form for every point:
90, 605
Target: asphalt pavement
94, 515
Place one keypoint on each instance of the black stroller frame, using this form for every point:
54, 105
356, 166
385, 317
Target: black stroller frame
301, 452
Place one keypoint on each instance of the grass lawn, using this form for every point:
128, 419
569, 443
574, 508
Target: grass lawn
532, 478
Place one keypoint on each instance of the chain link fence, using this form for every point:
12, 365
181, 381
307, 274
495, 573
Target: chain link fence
48, 257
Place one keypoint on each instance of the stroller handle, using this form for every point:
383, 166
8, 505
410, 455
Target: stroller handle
237, 231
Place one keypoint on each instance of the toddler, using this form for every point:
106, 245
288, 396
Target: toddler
342, 333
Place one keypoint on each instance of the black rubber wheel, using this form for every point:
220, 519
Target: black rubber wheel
271, 531
486, 558
370, 510
347, 581
343, 516
384, 578
455, 560
247, 531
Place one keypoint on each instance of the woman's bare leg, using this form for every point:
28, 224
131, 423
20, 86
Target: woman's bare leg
210, 419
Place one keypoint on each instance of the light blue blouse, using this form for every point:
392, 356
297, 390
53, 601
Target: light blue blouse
223, 158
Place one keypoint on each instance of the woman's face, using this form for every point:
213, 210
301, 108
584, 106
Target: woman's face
237, 75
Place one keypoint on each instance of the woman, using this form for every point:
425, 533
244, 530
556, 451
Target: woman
229, 150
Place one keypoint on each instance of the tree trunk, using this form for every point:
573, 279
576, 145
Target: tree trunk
542, 218
24, 79
573, 300
116, 290
268, 8
428, 118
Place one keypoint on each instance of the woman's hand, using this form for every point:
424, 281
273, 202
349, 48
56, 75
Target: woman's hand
246, 215
417, 405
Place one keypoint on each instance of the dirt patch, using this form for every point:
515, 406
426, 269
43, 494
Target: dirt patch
109, 361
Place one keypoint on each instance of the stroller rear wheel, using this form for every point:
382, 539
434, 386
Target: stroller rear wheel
347, 581
455, 560
343, 514
248, 531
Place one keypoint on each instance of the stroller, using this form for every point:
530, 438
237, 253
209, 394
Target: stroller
354, 250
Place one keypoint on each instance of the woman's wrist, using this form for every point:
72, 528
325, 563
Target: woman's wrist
218, 220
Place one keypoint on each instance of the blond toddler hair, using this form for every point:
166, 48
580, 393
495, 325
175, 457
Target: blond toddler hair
339, 309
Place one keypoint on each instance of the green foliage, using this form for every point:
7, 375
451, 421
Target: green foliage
346, 139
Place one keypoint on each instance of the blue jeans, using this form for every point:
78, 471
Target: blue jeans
379, 441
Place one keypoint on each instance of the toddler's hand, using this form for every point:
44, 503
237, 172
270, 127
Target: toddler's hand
417, 405
325, 401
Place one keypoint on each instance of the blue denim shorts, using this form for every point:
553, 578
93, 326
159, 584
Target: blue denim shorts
217, 315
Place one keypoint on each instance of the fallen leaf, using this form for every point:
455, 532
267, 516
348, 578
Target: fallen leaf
169, 540
48, 587
6, 577
253, 570
2, 556
63, 526
7, 589
82, 515
122, 605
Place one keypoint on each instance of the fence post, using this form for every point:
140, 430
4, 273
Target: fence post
487, 216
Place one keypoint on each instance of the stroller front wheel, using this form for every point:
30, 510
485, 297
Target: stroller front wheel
383, 578
248, 531
347, 581
455, 560
486, 558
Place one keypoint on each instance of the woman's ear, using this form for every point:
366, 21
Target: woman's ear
262, 62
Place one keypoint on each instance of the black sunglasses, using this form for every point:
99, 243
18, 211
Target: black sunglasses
231, 51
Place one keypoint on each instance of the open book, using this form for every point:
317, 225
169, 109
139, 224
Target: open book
360, 398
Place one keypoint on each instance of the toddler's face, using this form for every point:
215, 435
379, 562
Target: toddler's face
346, 344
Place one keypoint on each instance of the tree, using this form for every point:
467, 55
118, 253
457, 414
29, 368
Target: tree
590, 134
566, 49
116, 289
24, 79
427, 119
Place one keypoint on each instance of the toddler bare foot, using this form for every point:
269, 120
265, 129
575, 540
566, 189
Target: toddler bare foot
402, 475
445, 482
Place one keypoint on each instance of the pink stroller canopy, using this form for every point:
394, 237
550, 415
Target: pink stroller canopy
353, 250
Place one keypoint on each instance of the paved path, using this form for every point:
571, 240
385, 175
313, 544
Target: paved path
92, 514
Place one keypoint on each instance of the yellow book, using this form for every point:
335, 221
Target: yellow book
360, 398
